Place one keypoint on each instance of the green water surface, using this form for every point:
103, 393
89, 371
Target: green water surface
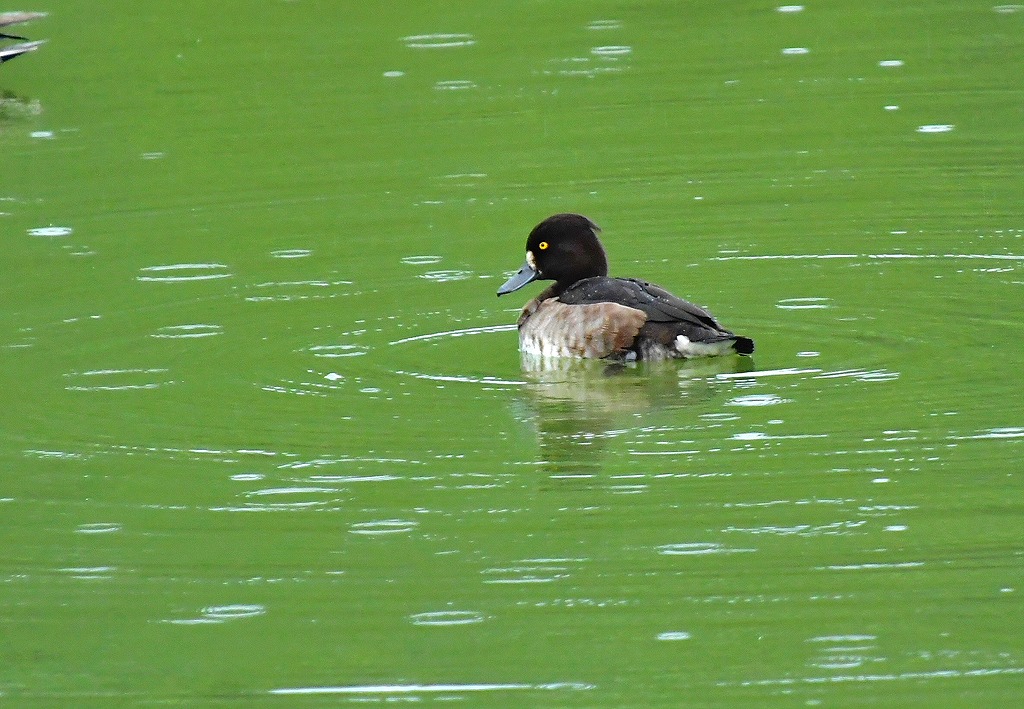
266, 438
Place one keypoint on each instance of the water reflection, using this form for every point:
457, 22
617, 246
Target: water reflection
447, 617
578, 406
387, 690
14, 106
439, 40
219, 614
183, 272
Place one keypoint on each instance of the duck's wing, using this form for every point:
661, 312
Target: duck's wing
657, 303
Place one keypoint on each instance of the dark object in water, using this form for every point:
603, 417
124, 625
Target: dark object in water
16, 50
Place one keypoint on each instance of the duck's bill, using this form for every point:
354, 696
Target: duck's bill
525, 275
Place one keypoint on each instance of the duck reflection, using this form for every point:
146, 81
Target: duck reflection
579, 405
13, 106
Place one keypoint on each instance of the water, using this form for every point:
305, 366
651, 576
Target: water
267, 438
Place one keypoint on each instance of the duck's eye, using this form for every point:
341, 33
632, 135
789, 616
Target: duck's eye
542, 245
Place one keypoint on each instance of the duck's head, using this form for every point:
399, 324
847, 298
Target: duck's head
563, 248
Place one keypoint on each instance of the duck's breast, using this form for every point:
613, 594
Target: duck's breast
555, 329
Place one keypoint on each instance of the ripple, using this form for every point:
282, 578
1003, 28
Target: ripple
878, 375
393, 74
182, 272
530, 571
784, 372
873, 566
437, 618
221, 614
291, 253
469, 177
698, 549
793, 51
890, 63
1000, 432
420, 260
292, 491
439, 41
832, 679
719, 417
598, 25
384, 526
462, 378
308, 388
186, 332
50, 231
757, 400
614, 50
843, 639
762, 436
98, 528
892, 256
1007, 9
803, 303
802, 530
843, 652
789, 8
935, 128
387, 689
674, 635
90, 573
304, 290
454, 85
116, 379
456, 333
863, 375
582, 66
231, 612
335, 351
446, 276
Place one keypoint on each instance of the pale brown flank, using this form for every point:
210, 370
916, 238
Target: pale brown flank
595, 330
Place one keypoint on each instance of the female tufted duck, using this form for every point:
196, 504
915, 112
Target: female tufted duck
584, 313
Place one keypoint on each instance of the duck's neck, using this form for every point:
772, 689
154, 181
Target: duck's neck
552, 291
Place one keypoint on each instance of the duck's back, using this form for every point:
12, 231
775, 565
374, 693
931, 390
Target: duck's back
672, 324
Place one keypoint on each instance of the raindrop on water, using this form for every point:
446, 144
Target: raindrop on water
674, 635
447, 618
611, 51
438, 41
50, 231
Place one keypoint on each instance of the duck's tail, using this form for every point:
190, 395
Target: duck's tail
743, 345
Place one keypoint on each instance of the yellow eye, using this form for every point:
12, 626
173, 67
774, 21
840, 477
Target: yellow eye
542, 245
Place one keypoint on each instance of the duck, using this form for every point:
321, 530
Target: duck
585, 313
